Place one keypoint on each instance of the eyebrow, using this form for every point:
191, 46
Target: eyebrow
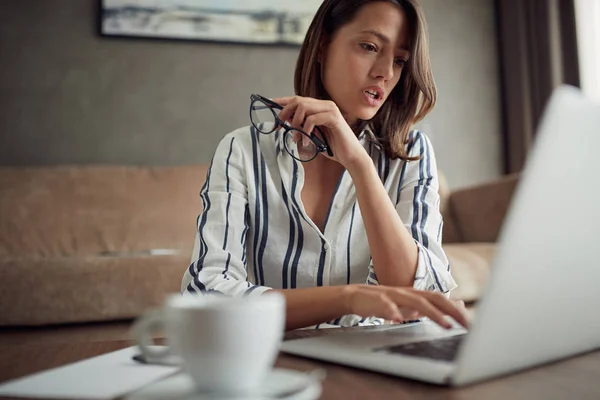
383, 37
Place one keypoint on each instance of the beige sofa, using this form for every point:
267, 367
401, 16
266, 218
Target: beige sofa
82, 244
473, 218
93, 243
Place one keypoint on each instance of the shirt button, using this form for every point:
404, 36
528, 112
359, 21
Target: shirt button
326, 246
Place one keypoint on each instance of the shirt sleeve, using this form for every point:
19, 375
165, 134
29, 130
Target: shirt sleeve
218, 264
418, 207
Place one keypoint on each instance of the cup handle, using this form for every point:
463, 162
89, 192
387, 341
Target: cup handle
141, 334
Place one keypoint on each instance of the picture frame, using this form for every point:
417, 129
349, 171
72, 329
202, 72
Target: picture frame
268, 22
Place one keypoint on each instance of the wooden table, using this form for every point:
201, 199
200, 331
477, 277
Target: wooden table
574, 378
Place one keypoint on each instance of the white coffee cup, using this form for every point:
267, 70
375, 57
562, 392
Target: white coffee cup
227, 344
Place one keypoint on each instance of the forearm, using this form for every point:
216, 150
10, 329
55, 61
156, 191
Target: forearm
394, 252
311, 306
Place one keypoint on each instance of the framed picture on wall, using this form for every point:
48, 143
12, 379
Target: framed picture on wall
234, 21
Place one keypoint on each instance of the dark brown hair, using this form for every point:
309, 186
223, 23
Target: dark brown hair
413, 97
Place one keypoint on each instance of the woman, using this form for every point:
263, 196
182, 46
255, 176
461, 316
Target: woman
351, 236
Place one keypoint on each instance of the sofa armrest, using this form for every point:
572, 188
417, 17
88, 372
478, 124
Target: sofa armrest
478, 212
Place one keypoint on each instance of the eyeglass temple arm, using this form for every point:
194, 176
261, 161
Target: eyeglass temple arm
269, 102
322, 143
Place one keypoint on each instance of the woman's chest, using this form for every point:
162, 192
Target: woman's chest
316, 200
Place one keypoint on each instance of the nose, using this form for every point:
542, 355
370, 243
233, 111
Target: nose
383, 67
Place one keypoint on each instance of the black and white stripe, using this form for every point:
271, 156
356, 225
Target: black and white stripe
253, 194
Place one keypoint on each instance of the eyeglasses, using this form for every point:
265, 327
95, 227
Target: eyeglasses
299, 144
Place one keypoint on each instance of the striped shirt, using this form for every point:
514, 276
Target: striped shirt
254, 234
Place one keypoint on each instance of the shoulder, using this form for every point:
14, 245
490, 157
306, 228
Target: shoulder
245, 140
241, 136
421, 163
231, 152
418, 144
418, 149
236, 143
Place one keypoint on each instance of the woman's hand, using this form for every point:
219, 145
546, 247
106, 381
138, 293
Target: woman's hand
305, 113
402, 303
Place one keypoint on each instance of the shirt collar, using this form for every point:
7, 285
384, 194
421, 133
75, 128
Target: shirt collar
367, 136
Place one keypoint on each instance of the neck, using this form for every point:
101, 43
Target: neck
353, 122
356, 126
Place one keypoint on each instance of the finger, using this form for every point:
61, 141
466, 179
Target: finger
296, 136
385, 307
299, 116
459, 303
288, 110
400, 318
457, 312
391, 311
409, 313
319, 119
286, 114
310, 106
449, 307
417, 301
283, 101
305, 141
289, 99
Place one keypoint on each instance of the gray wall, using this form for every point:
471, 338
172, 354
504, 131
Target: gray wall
70, 96
465, 126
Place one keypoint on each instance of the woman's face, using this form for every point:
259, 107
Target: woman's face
364, 59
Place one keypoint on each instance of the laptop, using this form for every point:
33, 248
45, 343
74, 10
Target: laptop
541, 301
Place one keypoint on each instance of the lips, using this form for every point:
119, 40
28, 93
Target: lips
373, 96
376, 92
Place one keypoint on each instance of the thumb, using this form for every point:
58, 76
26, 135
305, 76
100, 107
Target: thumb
305, 141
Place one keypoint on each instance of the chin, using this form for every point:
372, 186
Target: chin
358, 111
366, 114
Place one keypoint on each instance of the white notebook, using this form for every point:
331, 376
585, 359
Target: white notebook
106, 376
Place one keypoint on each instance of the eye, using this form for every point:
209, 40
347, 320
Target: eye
368, 47
399, 61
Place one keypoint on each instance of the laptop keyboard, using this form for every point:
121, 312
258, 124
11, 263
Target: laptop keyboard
439, 349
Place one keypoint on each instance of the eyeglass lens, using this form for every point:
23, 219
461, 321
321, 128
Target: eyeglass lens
297, 144
262, 117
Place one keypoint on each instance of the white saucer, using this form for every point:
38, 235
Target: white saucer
279, 384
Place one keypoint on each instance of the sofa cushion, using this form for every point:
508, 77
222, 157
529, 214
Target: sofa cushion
90, 210
470, 265
478, 212
450, 231
56, 290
